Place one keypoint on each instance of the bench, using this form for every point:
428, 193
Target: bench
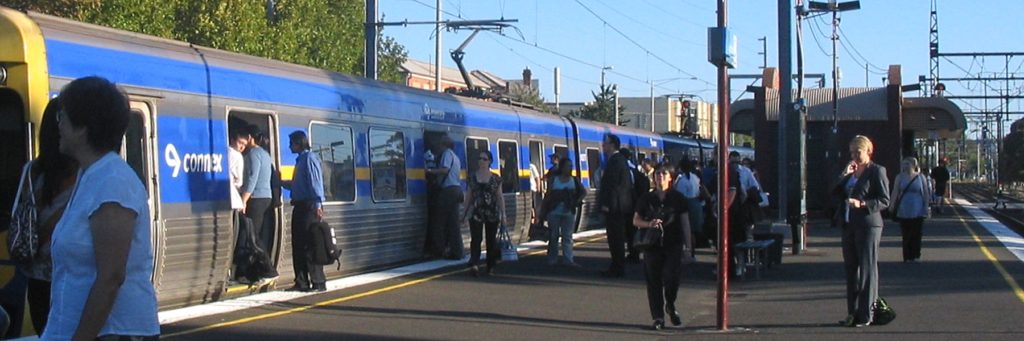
754, 254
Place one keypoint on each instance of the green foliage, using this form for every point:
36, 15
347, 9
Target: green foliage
326, 34
529, 95
1011, 164
602, 109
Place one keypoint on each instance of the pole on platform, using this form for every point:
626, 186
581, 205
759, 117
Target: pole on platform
437, 50
723, 180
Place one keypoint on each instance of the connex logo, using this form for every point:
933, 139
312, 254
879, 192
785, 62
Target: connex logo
192, 163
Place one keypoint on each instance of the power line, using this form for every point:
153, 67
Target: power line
638, 44
814, 34
849, 47
651, 28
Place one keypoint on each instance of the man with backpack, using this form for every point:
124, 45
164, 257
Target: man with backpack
307, 202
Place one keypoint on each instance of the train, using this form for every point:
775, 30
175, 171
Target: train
371, 137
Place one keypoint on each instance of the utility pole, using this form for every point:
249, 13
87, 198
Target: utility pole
370, 30
764, 52
723, 173
437, 50
785, 100
558, 89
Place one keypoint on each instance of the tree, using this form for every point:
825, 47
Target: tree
602, 109
390, 57
325, 34
527, 94
1011, 164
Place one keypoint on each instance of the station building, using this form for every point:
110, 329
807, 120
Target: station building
898, 126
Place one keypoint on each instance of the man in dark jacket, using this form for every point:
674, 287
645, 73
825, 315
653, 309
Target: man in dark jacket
616, 201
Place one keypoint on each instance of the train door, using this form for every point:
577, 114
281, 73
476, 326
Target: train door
137, 149
508, 167
265, 124
14, 150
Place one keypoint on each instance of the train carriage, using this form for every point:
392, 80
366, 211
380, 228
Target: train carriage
370, 136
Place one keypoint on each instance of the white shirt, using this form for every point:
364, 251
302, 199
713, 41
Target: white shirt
236, 170
688, 185
450, 161
108, 180
534, 178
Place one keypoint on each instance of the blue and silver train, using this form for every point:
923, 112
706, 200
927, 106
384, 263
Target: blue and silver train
371, 137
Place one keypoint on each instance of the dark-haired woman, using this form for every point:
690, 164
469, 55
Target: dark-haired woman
485, 208
102, 247
53, 175
560, 203
664, 209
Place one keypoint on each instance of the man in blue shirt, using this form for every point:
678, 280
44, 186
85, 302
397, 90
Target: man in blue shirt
307, 191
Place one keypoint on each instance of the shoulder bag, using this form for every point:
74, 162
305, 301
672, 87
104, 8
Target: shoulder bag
509, 252
23, 237
896, 207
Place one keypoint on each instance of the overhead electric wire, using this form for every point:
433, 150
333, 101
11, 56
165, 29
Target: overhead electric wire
651, 28
638, 44
848, 45
814, 34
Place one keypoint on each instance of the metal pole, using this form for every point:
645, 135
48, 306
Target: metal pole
785, 100
370, 59
835, 75
615, 92
437, 51
652, 106
558, 89
723, 180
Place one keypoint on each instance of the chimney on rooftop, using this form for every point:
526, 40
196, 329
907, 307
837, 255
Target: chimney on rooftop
527, 77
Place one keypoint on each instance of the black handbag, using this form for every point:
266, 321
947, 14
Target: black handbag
883, 312
647, 238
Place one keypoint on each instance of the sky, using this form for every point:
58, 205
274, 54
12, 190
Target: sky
665, 42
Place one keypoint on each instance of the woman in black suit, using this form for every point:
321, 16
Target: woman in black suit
664, 209
861, 194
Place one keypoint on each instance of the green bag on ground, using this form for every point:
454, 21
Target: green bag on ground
883, 312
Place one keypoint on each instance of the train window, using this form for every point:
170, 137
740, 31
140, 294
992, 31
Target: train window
508, 160
333, 145
473, 148
387, 164
594, 165
563, 151
134, 146
537, 155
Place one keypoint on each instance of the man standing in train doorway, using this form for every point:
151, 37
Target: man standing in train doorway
307, 186
446, 221
256, 192
616, 200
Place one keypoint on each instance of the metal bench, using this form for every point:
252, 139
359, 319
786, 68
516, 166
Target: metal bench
755, 254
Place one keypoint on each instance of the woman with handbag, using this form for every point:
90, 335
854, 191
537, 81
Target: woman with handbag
910, 192
53, 175
860, 194
485, 207
663, 209
559, 209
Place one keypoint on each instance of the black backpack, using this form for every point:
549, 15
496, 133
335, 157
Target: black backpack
251, 261
323, 250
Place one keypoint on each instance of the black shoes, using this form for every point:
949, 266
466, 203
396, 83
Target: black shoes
298, 288
633, 258
673, 316
319, 287
658, 325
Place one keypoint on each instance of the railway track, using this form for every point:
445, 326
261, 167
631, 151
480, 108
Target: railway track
984, 196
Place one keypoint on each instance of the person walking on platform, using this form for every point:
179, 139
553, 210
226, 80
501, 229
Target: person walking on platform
102, 247
485, 207
616, 200
860, 195
910, 193
559, 209
941, 176
256, 192
449, 240
307, 186
664, 209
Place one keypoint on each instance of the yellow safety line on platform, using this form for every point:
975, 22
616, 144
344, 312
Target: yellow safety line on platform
995, 261
339, 300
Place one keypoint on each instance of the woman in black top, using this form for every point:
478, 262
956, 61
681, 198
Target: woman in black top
664, 209
485, 208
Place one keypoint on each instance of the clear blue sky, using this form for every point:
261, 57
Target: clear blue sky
565, 34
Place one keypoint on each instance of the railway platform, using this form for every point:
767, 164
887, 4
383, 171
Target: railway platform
967, 286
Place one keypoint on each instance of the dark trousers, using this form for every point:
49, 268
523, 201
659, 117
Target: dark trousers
615, 229
306, 272
663, 266
476, 231
256, 209
448, 232
630, 233
860, 260
911, 229
39, 303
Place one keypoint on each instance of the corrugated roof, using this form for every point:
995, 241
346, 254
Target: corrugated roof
855, 104
448, 74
